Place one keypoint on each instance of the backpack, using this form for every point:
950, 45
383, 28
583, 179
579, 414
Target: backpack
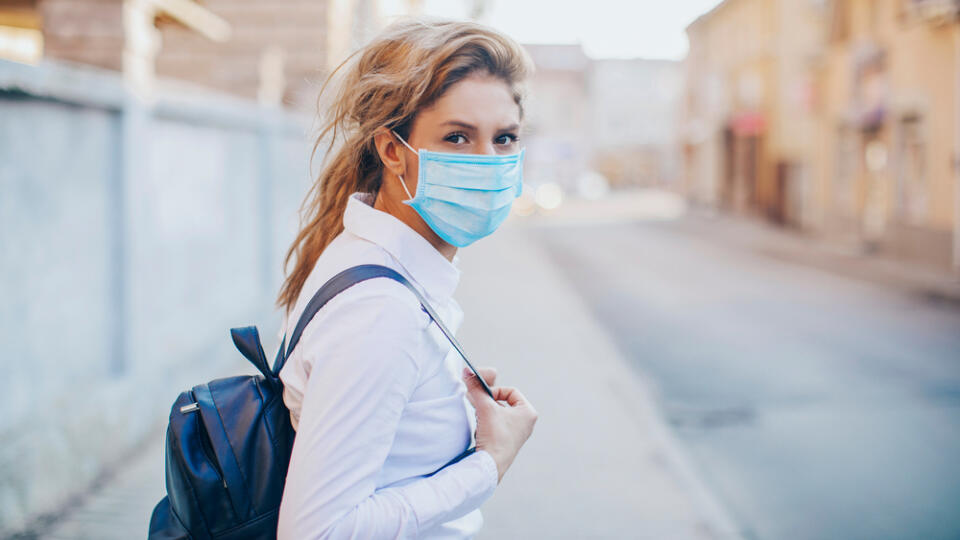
228, 441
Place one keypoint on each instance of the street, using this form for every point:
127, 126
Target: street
814, 406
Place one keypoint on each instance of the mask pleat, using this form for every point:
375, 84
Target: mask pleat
470, 219
473, 198
452, 234
470, 176
455, 227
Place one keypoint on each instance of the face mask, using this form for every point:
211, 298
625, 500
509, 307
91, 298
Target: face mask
464, 197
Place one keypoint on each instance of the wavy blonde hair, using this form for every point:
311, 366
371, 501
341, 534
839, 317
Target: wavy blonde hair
407, 67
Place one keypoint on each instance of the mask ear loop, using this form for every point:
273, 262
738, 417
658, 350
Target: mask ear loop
402, 183
397, 135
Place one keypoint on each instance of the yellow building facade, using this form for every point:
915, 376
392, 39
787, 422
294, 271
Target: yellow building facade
746, 129
889, 126
835, 116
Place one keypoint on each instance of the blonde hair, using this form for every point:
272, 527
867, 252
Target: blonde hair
408, 66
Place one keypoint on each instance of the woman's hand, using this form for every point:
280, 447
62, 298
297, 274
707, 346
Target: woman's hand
489, 374
502, 425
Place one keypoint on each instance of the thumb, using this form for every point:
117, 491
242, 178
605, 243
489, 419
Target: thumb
475, 392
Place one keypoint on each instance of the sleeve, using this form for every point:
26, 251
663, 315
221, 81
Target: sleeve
367, 352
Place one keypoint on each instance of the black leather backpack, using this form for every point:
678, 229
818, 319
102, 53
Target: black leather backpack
229, 441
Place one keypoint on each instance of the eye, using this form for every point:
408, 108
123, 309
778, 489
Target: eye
506, 139
456, 138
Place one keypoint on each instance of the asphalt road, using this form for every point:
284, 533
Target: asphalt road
815, 406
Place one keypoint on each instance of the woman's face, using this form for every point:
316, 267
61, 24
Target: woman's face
475, 116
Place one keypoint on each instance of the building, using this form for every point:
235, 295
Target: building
557, 116
835, 116
277, 52
746, 128
889, 127
633, 109
611, 116
117, 35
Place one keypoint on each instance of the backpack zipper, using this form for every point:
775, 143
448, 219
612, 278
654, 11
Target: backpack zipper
205, 445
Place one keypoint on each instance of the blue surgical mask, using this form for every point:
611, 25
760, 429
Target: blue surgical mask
464, 197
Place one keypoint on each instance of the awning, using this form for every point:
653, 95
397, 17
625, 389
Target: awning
748, 123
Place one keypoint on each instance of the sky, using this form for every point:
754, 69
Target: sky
605, 28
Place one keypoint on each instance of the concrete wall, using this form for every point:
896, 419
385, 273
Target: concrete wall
133, 237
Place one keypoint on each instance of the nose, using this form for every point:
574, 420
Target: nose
487, 149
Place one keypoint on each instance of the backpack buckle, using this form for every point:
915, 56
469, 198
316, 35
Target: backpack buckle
189, 408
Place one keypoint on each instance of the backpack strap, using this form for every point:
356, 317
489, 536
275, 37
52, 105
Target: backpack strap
343, 281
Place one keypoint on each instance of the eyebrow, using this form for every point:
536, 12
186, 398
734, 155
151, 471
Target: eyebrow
471, 127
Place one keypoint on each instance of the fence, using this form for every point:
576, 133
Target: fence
132, 237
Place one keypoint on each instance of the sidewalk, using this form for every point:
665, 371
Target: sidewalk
600, 464
121, 508
838, 256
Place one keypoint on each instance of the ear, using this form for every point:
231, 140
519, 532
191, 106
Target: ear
391, 151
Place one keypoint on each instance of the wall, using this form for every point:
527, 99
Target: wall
906, 206
289, 33
83, 31
133, 237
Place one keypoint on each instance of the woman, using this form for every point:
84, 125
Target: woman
374, 389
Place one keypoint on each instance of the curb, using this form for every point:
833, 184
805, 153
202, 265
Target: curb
636, 391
